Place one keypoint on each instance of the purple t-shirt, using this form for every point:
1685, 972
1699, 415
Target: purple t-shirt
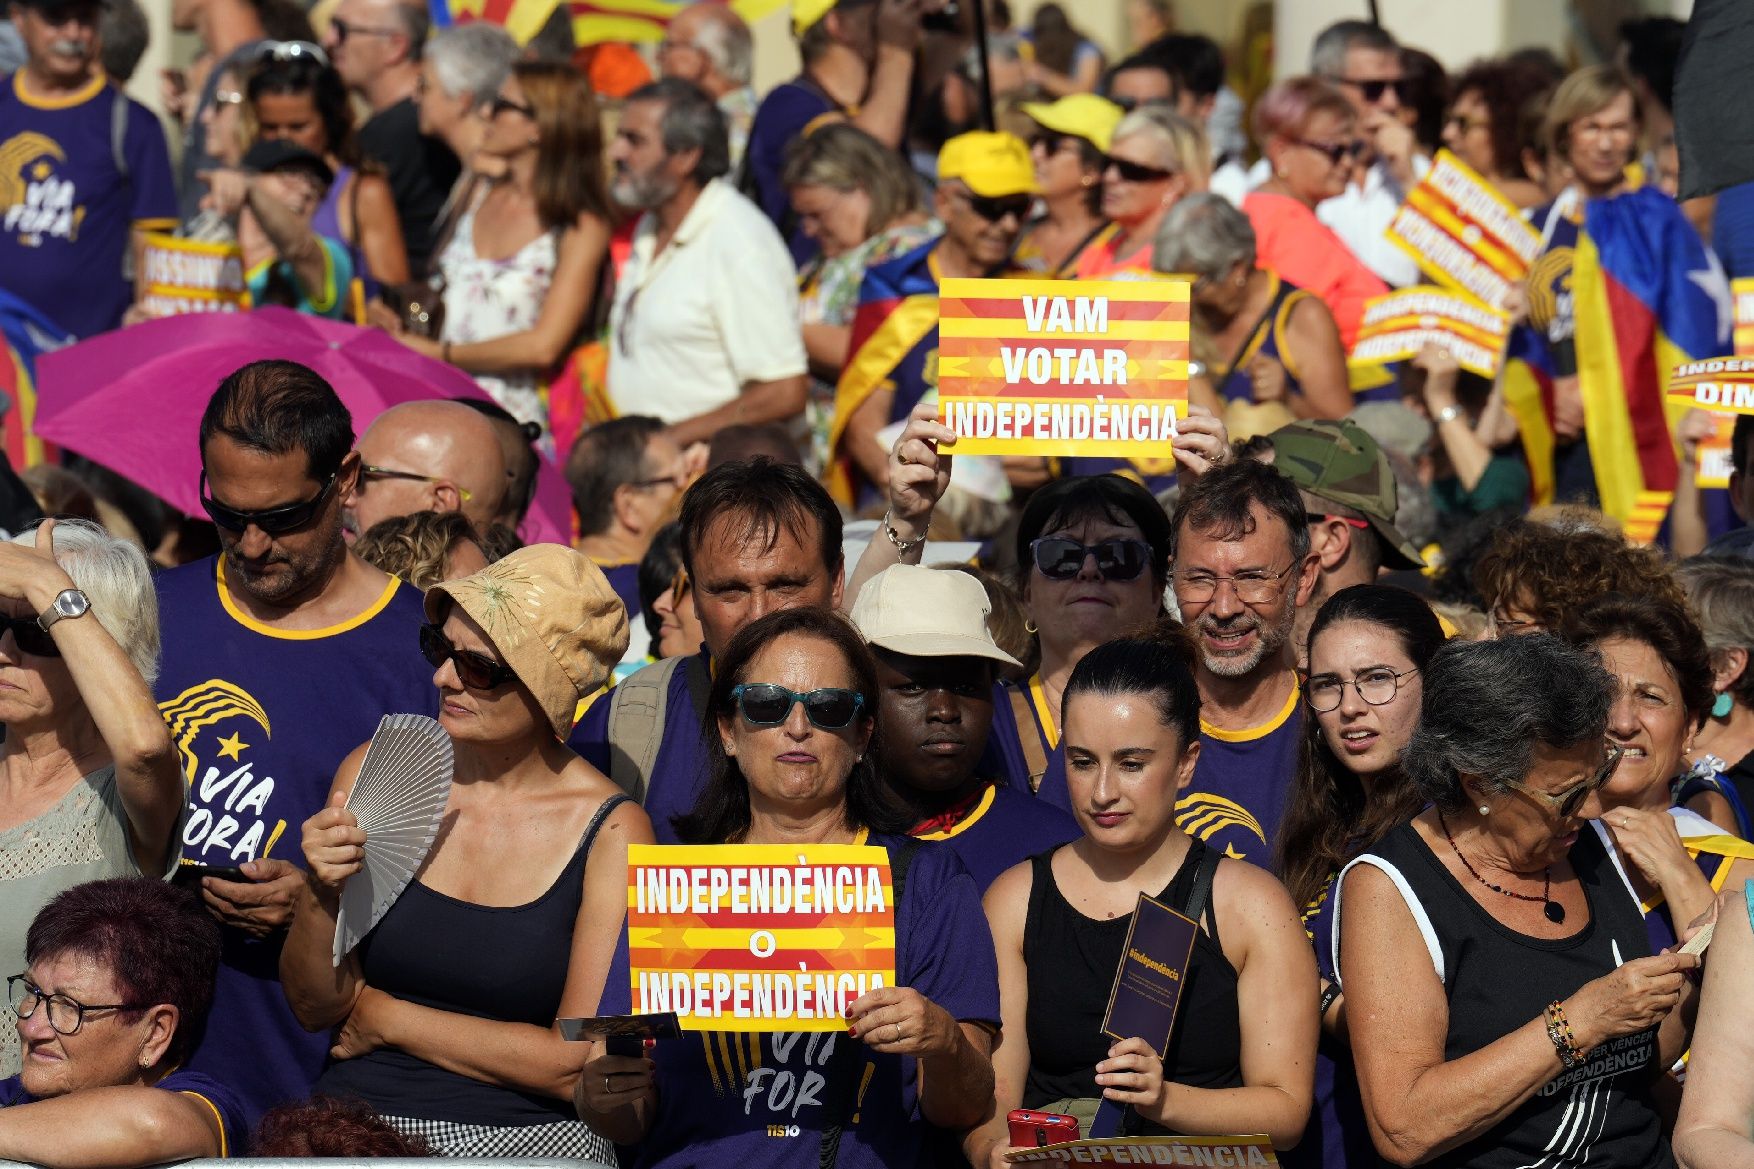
679, 771
1006, 828
234, 1130
262, 720
1237, 795
66, 212
1337, 1135
1005, 756
758, 1099
783, 118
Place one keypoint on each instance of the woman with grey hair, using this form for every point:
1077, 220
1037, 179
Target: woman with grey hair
1278, 343
1503, 1004
89, 784
461, 69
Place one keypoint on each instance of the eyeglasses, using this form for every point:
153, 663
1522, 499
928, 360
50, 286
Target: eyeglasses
29, 635
373, 472
677, 479
1463, 123
227, 97
66, 1014
1567, 802
1373, 90
678, 587
1335, 152
1050, 141
994, 208
503, 105
764, 704
1253, 586
344, 29
1135, 172
1062, 558
273, 521
477, 671
1498, 624
669, 46
1377, 687
298, 50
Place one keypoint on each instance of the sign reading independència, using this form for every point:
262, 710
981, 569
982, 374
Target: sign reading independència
755, 937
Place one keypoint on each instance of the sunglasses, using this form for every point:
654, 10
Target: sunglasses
993, 208
477, 671
29, 636
763, 704
1567, 802
1134, 172
1335, 152
1050, 141
368, 471
1062, 558
274, 521
1372, 91
298, 50
502, 105
678, 587
343, 30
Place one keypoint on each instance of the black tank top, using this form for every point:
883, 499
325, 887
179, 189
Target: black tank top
1072, 959
1497, 979
506, 963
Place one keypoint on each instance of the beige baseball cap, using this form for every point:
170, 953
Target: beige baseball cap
552, 616
927, 613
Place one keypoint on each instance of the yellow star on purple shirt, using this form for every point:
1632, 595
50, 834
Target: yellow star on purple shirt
231, 746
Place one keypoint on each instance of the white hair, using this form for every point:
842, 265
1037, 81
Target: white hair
114, 576
727, 43
472, 59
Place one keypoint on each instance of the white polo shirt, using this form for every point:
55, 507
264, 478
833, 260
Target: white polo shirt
716, 309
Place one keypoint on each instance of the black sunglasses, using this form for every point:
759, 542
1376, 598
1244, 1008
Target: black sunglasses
1372, 91
993, 208
29, 636
1050, 140
477, 671
274, 521
1335, 152
1061, 558
764, 704
1134, 172
503, 104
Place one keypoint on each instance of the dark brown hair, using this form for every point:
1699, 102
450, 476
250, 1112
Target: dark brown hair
1551, 571
1667, 626
326, 1127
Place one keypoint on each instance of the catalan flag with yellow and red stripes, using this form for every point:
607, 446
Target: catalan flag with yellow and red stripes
593, 21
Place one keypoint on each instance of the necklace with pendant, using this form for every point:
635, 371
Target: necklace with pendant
1554, 911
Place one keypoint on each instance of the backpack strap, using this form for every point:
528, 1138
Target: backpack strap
637, 707
119, 135
848, 1053
1034, 757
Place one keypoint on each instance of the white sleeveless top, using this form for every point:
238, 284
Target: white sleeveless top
485, 299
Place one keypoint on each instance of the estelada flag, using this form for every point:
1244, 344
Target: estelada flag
593, 21
893, 347
27, 335
1648, 297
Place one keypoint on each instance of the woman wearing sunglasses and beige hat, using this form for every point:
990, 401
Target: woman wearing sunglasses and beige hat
445, 1012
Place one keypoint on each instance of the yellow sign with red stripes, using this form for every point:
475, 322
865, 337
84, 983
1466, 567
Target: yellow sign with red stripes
1397, 326
1464, 233
1044, 367
754, 937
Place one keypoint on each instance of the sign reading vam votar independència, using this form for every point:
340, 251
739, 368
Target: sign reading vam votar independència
1051, 367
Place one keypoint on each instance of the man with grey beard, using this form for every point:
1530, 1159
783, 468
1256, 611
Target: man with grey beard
1240, 566
82, 169
704, 330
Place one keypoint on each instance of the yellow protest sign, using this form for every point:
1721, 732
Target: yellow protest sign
751, 937
1230, 1152
1048, 367
179, 276
1397, 326
1464, 233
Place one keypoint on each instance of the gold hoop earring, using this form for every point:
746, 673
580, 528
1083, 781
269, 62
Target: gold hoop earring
1028, 626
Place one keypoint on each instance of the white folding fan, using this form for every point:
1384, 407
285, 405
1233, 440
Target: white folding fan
399, 797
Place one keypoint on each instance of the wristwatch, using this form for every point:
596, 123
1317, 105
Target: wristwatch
1449, 413
69, 603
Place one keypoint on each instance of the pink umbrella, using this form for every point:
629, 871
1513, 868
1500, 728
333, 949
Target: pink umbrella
132, 399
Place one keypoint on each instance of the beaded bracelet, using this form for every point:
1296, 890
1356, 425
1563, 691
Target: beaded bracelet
1559, 1031
902, 547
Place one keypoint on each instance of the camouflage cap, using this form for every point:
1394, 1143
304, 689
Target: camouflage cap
1340, 462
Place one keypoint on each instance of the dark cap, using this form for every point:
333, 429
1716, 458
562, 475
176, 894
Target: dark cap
1340, 462
59, 5
274, 154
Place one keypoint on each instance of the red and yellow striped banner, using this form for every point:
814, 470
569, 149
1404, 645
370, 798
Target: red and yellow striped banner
750, 937
1397, 326
1463, 233
1040, 367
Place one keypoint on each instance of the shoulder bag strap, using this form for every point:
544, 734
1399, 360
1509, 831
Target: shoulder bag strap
1034, 757
636, 725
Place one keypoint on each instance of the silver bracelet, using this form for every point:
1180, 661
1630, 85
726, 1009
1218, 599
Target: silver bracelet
903, 547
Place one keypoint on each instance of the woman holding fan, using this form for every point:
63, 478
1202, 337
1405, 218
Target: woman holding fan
438, 1031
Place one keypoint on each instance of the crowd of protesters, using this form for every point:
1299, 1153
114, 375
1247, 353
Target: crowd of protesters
1360, 638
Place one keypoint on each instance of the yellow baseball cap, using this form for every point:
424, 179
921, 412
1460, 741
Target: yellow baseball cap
1082, 115
992, 164
806, 14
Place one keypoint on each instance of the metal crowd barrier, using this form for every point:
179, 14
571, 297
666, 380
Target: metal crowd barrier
358, 1163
